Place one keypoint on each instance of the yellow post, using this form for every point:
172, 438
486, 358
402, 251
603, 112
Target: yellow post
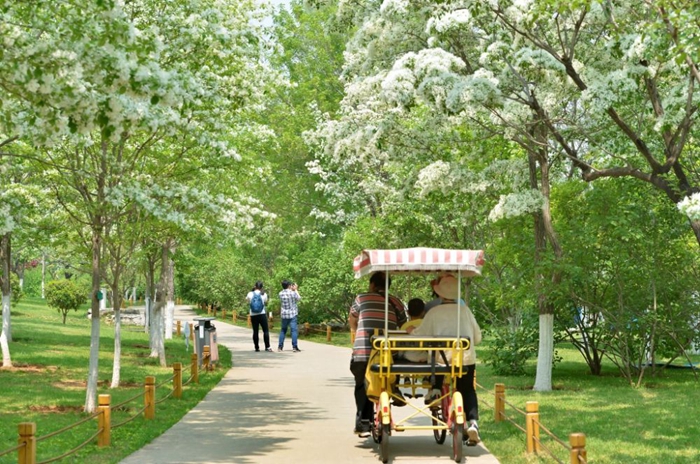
177, 380
352, 336
104, 421
250, 324
500, 403
149, 398
205, 357
208, 310
192, 332
195, 368
27, 437
223, 314
578, 448
307, 327
532, 428
328, 333
179, 323
234, 316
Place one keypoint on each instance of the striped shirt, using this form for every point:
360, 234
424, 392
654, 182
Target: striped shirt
288, 303
369, 310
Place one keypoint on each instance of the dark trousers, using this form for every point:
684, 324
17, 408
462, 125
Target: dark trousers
465, 385
260, 320
365, 407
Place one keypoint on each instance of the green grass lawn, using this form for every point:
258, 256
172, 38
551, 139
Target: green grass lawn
656, 423
47, 382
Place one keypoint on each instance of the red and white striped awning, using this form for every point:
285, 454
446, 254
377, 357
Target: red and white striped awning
469, 262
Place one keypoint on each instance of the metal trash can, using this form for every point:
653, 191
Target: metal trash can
205, 334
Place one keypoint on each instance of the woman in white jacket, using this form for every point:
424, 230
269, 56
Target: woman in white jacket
440, 321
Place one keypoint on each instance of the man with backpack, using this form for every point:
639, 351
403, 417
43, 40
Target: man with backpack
257, 300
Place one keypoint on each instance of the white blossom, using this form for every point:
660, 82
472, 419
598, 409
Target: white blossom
690, 206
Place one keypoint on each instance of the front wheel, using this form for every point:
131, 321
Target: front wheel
384, 443
457, 446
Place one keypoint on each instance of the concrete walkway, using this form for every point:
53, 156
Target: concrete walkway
287, 408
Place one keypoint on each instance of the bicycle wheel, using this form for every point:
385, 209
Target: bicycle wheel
384, 442
457, 446
438, 420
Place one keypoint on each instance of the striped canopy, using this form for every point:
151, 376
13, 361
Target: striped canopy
469, 262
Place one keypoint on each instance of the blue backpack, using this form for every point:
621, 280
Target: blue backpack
256, 303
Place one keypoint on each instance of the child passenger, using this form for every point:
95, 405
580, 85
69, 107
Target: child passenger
416, 309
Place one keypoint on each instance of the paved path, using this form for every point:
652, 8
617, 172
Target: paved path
285, 407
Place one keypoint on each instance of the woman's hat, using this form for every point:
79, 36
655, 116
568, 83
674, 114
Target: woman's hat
447, 287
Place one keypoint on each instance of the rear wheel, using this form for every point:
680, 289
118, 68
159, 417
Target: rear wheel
457, 446
384, 442
439, 434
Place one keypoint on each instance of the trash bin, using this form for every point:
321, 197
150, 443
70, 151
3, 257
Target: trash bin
205, 334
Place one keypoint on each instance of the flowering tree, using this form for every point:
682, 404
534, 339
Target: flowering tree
589, 87
114, 94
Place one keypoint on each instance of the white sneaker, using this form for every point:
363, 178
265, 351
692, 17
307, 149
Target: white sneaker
473, 434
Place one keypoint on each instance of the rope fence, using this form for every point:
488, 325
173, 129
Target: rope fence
27, 447
577, 441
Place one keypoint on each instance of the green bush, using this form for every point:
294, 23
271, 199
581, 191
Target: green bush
15, 289
64, 295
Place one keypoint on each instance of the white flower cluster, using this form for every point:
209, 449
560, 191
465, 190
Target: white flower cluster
452, 20
517, 204
7, 221
690, 206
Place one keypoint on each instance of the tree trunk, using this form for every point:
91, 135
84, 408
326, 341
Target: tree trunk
43, 275
6, 256
4, 345
158, 348
91, 393
545, 354
170, 306
696, 229
117, 363
544, 229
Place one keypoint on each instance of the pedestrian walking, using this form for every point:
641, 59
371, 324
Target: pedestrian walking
289, 310
257, 300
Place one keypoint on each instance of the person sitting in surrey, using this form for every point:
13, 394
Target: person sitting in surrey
366, 314
416, 308
440, 321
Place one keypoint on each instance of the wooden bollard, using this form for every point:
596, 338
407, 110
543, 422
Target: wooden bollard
27, 437
179, 324
192, 332
149, 398
104, 420
206, 355
532, 428
177, 380
578, 448
307, 328
195, 368
234, 316
500, 403
250, 324
223, 314
328, 333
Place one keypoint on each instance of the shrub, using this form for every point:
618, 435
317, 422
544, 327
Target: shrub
64, 295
